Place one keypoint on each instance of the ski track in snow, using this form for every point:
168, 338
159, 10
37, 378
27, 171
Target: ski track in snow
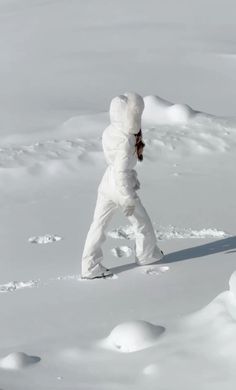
169, 233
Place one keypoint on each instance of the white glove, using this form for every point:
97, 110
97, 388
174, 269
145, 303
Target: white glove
128, 210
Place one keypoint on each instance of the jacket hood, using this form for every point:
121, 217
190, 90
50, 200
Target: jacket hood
126, 112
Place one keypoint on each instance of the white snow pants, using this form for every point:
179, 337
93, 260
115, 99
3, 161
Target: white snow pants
145, 248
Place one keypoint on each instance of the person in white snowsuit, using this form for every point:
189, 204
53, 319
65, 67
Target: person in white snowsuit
118, 189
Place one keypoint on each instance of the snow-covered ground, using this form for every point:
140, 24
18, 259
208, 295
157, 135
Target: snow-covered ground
59, 58
165, 326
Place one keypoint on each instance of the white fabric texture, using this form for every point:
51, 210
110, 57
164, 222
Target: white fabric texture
118, 186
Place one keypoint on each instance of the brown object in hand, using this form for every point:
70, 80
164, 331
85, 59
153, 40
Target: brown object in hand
139, 145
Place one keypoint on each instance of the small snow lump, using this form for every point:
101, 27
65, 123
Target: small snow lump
133, 336
17, 361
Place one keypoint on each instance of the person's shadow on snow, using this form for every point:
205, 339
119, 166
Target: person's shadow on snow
227, 245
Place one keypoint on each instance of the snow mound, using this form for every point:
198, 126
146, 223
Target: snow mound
213, 328
122, 251
169, 233
232, 285
159, 111
133, 336
47, 239
18, 360
151, 369
13, 286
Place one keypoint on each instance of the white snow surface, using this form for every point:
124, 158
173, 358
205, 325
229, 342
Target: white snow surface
61, 57
60, 64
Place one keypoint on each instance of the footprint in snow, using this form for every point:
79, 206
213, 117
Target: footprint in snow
78, 278
112, 277
14, 285
122, 251
154, 269
47, 239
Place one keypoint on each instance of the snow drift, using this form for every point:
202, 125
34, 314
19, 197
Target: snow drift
133, 336
212, 330
159, 111
170, 131
232, 286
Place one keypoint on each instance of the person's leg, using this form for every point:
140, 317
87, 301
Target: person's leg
92, 253
146, 248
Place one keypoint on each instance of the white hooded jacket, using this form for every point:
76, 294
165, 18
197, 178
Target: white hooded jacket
119, 148
117, 188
